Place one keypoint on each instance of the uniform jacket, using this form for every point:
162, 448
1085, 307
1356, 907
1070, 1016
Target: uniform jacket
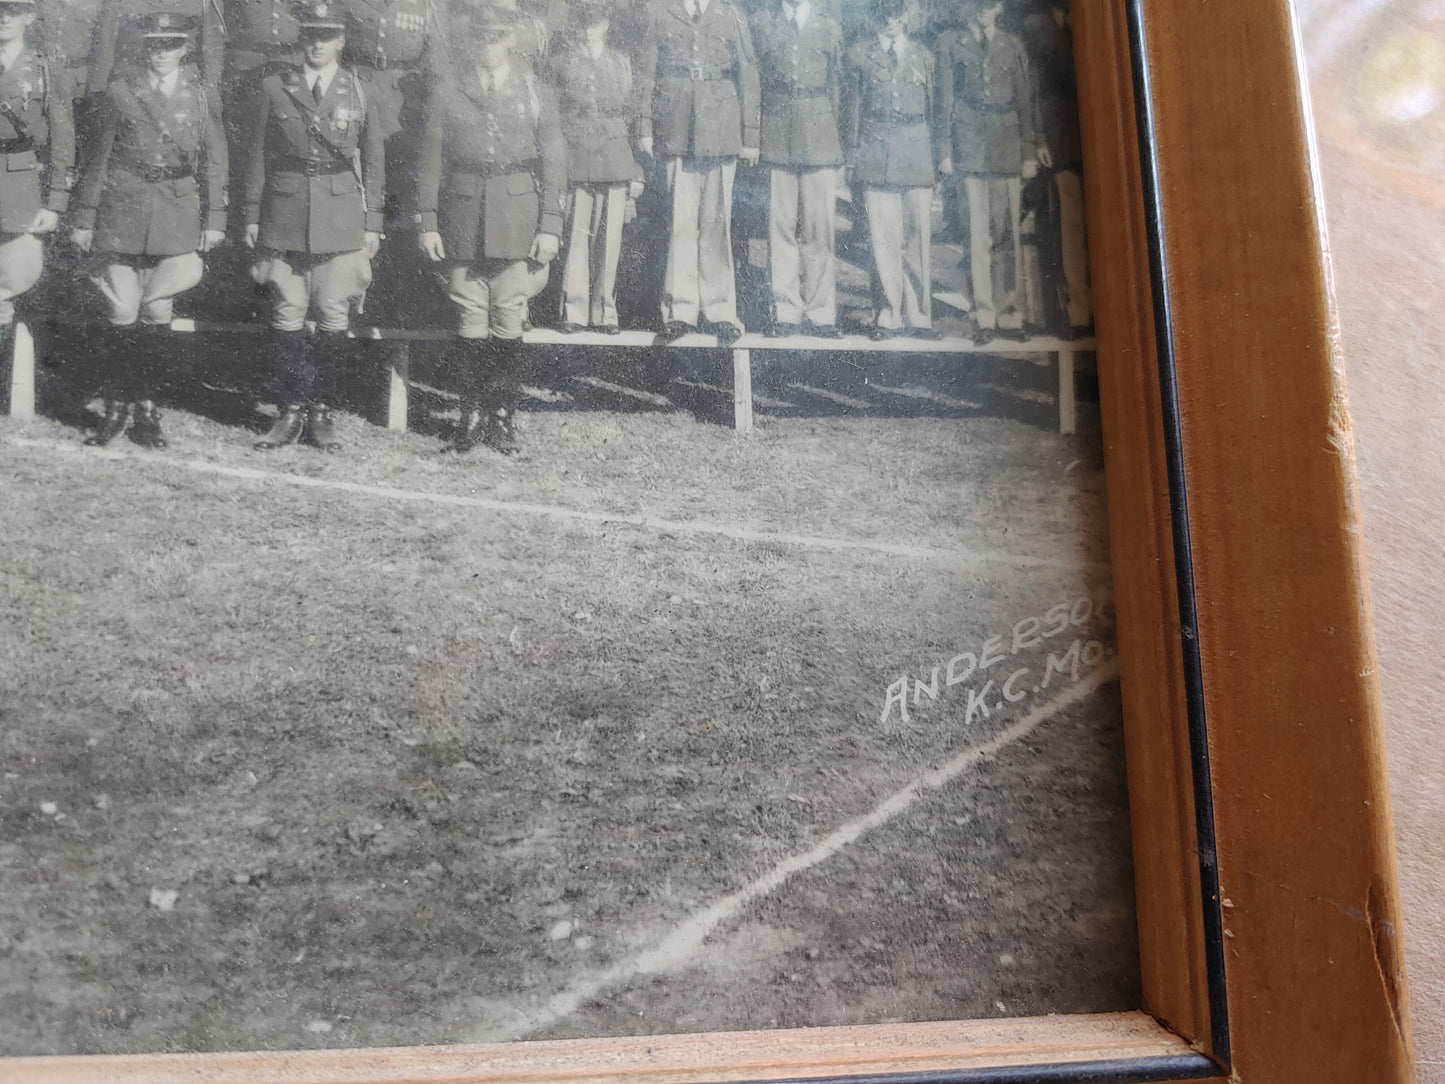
157, 173
599, 112
493, 166
531, 42
390, 32
118, 49
258, 31
1051, 53
697, 81
315, 174
64, 33
801, 77
986, 98
889, 120
40, 141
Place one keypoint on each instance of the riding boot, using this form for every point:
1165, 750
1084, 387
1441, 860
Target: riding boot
470, 360
148, 358
118, 385
146, 430
506, 382
331, 352
295, 378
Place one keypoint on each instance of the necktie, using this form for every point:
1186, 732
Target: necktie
316, 90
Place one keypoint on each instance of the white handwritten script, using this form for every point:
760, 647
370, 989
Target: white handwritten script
985, 686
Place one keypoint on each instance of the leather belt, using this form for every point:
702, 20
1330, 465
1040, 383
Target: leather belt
499, 169
16, 146
698, 73
381, 62
149, 172
314, 168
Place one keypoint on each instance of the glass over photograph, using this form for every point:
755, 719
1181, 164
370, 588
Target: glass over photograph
548, 519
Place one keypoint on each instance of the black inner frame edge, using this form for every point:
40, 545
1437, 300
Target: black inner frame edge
1183, 553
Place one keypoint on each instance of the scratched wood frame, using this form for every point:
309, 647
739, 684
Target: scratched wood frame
1265, 878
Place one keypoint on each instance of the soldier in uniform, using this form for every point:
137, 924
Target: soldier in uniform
990, 145
699, 95
888, 106
531, 33
493, 176
121, 48
64, 32
37, 154
1049, 37
314, 182
152, 198
800, 53
599, 113
397, 48
261, 39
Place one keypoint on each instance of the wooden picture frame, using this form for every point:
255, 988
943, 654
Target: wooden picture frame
1268, 912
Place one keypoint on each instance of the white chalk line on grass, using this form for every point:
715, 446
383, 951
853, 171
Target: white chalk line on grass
557, 512
686, 941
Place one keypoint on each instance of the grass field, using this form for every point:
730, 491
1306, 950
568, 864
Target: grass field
393, 748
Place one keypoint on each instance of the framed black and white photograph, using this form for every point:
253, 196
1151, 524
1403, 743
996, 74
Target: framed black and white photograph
599, 540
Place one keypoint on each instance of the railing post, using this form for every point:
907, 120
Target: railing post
397, 394
743, 390
22, 374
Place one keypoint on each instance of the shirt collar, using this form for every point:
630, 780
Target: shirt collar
166, 84
497, 77
321, 75
797, 13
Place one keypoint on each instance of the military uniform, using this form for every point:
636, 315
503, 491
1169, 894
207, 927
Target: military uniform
64, 33
314, 181
493, 176
118, 47
800, 53
1050, 45
37, 155
888, 106
599, 113
398, 49
699, 94
154, 180
260, 40
990, 134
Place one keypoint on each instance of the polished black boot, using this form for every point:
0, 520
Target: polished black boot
320, 428
295, 379
505, 374
469, 361
286, 429
146, 431
112, 424
330, 352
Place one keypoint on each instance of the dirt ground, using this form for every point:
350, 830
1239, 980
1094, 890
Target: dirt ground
390, 748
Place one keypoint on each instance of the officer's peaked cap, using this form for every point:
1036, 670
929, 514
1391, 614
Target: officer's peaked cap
321, 16
166, 24
491, 22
